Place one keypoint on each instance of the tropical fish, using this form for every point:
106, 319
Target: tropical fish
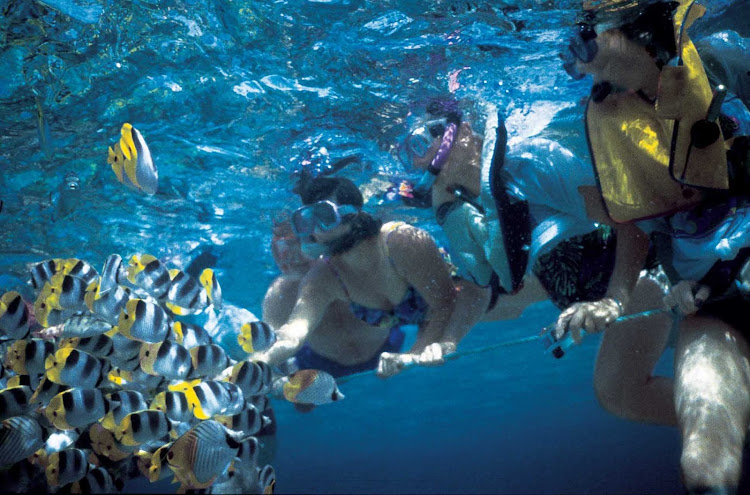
252, 378
168, 359
174, 404
27, 357
126, 355
143, 426
79, 326
43, 272
185, 294
154, 465
20, 436
211, 398
46, 390
67, 466
104, 444
73, 367
121, 404
311, 387
256, 336
79, 269
46, 313
63, 292
189, 335
107, 304
208, 360
266, 480
98, 480
14, 316
131, 161
211, 285
150, 274
144, 321
247, 454
76, 408
200, 455
31, 381
100, 346
248, 421
15, 401
112, 274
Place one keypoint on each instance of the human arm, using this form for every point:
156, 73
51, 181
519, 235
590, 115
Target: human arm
594, 316
317, 290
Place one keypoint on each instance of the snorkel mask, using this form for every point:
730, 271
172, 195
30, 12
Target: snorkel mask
420, 141
649, 23
320, 216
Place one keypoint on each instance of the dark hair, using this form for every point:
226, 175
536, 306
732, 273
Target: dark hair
342, 191
363, 226
654, 29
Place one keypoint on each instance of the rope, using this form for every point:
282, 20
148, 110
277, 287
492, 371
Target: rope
508, 343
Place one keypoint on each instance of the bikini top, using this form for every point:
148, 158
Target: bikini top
410, 311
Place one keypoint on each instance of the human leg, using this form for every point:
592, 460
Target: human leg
712, 400
623, 374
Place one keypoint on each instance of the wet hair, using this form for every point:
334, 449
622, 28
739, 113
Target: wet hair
337, 189
654, 29
342, 192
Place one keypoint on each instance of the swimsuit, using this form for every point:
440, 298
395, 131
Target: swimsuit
410, 311
306, 358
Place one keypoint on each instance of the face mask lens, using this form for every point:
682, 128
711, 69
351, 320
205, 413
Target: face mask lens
583, 45
321, 215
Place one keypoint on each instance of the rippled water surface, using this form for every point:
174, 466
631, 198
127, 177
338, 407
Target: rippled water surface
233, 97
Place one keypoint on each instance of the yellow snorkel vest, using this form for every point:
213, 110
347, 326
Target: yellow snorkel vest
643, 154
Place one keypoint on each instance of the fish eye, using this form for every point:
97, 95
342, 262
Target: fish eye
43, 305
115, 157
54, 413
146, 354
125, 316
170, 455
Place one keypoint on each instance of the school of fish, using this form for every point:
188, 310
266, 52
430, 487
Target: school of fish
103, 383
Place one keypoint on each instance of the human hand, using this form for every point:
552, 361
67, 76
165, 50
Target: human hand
686, 297
392, 363
434, 354
593, 317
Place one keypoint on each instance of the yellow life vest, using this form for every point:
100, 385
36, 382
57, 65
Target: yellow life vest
643, 156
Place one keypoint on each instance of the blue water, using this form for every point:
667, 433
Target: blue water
235, 96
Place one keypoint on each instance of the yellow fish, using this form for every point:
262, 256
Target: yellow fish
76, 408
144, 321
256, 336
66, 466
149, 273
27, 357
311, 387
142, 427
131, 161
69, 366
14, 316
200, 455
211, 285
104, 444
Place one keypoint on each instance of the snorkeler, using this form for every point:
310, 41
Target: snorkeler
341, 344
388, 274
662, 165
517, 227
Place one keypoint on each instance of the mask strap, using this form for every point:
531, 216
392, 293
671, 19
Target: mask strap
441, 157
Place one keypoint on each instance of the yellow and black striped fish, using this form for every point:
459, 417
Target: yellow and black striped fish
43, 272
154, 465
211, 398
15, 401
76, 408
200, 455
63, 292
185, 294
27, 357
256, 336
149, 273
104, 444
248, 421
131, 161
144, 321
189, 335
98, 480
121, 404
107, 305
253, 378
112, 274
14, 316
208, 360
99, 346
46, 390
211, 285
168, 359
174, 404
69, 366
67, 466
21, 436
142, 427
